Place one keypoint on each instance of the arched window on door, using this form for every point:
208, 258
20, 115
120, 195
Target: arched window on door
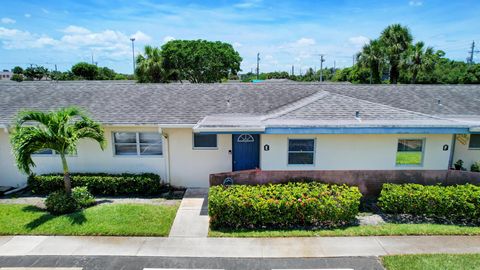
245, 138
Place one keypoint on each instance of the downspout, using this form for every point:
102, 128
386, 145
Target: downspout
167, 155
452, 151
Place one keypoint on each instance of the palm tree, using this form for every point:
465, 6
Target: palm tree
58, 130
150, 66
396, 39
419, 59
373, 57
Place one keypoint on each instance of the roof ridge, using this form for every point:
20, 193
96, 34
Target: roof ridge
392, 107
282, 110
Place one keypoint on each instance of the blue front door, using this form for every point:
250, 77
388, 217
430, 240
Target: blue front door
246, 151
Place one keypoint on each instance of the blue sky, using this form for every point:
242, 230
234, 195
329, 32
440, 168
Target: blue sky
285, 33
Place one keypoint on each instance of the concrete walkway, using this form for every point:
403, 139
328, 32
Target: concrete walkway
192, 215
236, 247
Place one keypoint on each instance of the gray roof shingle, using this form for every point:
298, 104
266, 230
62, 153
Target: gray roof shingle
131, 103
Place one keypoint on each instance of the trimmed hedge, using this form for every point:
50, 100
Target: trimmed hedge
460, 202
282, 205
100, 184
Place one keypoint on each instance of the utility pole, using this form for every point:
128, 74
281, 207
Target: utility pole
321, 66
293, 70
353, 60
133, 54
472, 52
258, 65
92, 59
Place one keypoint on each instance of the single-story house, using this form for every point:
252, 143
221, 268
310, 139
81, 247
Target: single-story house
185, 132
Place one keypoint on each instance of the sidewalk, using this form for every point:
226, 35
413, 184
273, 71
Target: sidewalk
236, 247
192, 215
188, 238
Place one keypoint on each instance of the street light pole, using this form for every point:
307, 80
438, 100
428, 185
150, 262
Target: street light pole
133, 54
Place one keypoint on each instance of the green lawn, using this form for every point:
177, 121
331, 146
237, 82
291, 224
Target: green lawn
104, 219
409, 158
432, 262
385, 229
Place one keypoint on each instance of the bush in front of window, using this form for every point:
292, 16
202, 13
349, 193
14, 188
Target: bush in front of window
460, 202
475, 167
283, 205
101, 184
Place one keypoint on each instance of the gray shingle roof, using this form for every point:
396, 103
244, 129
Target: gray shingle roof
131, 103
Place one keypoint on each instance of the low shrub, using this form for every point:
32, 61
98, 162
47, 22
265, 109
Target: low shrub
83, 197
100, 184
59, 202
282, 205
475, 167
460, 202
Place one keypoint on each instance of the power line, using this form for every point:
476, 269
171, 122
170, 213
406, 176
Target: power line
258, 65
321, 66
471, 53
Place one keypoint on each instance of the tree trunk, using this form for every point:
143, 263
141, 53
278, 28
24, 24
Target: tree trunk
394, 74
414, 77
66, 175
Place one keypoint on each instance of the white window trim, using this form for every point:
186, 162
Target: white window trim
137, 144
313, 152
411, 165
204, 148
472, 148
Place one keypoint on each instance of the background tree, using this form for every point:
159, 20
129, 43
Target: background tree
58, 130
85, 70
36, 73
396, 39
201, 61
105, 73
17, 70
150, 67
419, 59
372, 56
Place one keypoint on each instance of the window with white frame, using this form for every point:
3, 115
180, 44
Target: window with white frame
137, 143
204, 141
301, 151
410, 152
474, 142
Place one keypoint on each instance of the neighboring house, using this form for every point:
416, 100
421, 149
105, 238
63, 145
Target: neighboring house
184, 132
6, 75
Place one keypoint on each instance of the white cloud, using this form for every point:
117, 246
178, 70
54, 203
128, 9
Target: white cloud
305, 42
358, 41
6, 20
109, 43
27, 15
44, 10
237, 44
17, 39
168, 38
415, 3
248, 4
141, 37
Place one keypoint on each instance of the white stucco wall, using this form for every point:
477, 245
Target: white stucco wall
89, 158
191, 167
9, 174
355, 152
464, 153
